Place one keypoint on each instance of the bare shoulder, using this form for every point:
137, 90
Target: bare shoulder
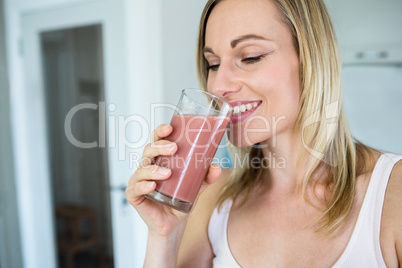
195, 248
391, 231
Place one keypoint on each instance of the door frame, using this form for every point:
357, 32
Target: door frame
35, 184
133, 76
10, 255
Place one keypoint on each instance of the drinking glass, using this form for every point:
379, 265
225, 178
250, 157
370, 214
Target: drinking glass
199, 123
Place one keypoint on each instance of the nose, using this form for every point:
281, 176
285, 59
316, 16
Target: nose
224, 82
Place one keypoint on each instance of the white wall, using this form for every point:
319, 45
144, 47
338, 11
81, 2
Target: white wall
367, 23
180, 19
36, 5
145, 81
368, 30
372, 85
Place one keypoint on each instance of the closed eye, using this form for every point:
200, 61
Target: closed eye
213, 67
251, 60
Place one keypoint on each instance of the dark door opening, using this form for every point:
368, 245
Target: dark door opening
73, 75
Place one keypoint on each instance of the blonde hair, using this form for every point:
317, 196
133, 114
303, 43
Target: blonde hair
329, 143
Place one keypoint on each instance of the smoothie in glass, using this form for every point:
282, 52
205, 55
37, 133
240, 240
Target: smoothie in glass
199, 122
197, 139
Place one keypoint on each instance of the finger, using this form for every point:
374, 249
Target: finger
213, 174
135, 194
162, 147
161, 131
150, 173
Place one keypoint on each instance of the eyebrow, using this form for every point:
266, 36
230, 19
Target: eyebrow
235, 42
243, 38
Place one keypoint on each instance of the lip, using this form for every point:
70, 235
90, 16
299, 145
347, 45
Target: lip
235, 119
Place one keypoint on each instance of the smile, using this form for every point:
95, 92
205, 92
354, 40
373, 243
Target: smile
244, 107
242, 110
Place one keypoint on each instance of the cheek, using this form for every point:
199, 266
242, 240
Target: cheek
271, 80
293, 91
284, 89
210, 83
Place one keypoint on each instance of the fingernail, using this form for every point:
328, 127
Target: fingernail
170, 145
150, 184
163, 171
172, 150
165, 127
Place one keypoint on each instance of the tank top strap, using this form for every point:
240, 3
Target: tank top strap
380, 179
218, 222
364, 249
217, 232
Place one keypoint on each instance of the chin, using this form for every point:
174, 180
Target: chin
240, 141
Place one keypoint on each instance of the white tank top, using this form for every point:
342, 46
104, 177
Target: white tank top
363, 249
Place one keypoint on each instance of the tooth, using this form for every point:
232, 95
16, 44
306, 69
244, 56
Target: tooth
255, 104
249, 106
236, 109
242, 108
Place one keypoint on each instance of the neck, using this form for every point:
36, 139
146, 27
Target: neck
286, 171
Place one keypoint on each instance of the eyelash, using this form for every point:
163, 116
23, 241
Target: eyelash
249, 60
213, 67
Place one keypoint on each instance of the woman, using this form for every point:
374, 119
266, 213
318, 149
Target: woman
324, 205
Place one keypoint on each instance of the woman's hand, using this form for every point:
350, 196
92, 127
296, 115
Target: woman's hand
161, 220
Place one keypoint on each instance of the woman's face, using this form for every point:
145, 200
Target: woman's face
254, 66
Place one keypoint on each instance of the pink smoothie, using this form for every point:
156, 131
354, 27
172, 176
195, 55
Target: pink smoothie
197, 138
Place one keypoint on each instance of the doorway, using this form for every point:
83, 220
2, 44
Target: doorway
73, 75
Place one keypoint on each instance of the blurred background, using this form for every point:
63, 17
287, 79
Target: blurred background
123, 61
